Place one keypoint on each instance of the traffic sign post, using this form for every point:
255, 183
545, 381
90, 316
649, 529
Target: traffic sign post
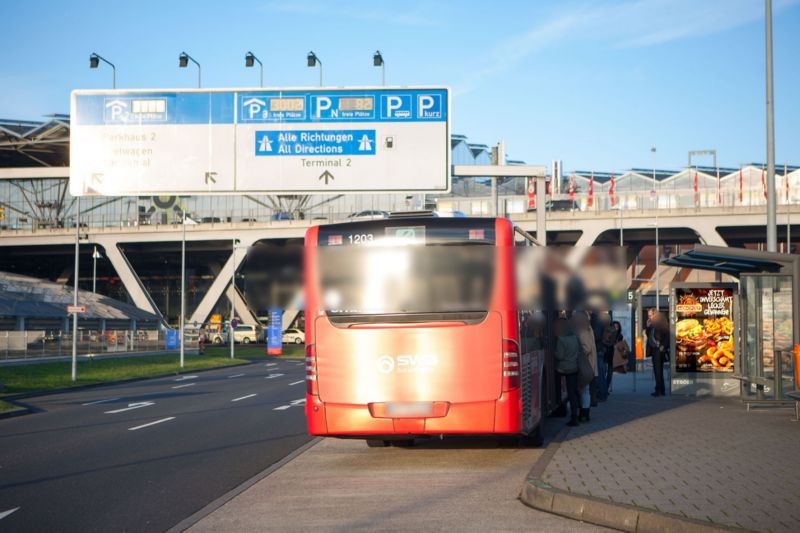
125, 143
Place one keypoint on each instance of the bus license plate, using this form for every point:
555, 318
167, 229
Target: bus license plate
409, 409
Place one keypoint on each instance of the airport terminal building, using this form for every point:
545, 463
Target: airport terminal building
130, 246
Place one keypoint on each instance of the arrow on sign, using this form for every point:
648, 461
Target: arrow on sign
326, 176
210, 176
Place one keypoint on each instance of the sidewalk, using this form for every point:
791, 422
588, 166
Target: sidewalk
701, 459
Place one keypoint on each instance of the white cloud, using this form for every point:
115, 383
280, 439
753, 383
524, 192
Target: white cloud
625, 24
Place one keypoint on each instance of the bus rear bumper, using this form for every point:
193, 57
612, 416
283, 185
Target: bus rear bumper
499, 416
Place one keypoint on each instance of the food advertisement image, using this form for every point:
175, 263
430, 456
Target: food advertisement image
704, 330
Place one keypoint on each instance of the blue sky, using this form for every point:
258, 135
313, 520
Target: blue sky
595, 84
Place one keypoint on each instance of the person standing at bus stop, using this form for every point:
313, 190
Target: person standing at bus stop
567, 352
583, 329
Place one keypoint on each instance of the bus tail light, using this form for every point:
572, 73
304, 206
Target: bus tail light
510, 365
311, 370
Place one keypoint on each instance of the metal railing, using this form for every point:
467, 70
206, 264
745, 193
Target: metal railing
37, 344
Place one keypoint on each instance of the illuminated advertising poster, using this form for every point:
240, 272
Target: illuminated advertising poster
704, 340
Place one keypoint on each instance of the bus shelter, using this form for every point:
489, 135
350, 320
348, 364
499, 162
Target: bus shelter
743, 332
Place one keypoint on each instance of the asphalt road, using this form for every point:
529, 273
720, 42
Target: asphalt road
143, 456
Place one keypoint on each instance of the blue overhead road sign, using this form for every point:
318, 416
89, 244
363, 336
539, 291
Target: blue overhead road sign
162, 142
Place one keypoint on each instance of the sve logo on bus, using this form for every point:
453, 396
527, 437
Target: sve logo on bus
407, 364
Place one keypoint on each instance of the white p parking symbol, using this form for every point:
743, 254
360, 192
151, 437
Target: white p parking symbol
323, 104
393, 103
425, 103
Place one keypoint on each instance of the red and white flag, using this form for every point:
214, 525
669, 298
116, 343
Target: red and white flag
611, 190
571, 189
696, 189
786, 181
531, 194
590, 200
741, 186
764, 182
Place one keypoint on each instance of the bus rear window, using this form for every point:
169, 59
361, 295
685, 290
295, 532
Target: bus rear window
405, 281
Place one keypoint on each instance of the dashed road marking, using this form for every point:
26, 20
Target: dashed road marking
100, 401
271, 364
243, 397
293, 403
236, 376
297, 382
185, 378
273, 376
184, 385
131, 407
152, 423
6, 513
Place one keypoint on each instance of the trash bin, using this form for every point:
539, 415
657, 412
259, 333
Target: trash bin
796, 361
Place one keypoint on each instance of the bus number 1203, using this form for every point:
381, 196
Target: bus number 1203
360, 238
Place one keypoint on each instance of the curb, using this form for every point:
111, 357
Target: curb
11, 397
187, 523
21, 410
544, 497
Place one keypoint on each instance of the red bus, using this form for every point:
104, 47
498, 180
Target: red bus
414, 328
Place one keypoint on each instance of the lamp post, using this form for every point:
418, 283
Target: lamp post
95, 256
772, 221
249, 60
75, 294
377, 61
658, 255
94, 62
183, 62
183, 284
313, 60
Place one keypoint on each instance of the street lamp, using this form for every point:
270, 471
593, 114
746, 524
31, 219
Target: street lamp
654, 192
95, 256
183, 62
94, 62
249, 60
377, 61
313, 60
772, 223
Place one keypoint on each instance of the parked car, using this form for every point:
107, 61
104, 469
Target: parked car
562, 205
210, 220
293, 335
282, 215
247, 333
369, 214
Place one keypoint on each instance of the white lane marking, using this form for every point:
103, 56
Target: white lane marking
273, 376
243, 397
293, 403
184, 385
6, 513
131, 407
236, 376
271, 364
297, 382
185, 378
152, 423
101, 401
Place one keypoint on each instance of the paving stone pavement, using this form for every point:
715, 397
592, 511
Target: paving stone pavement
707, 459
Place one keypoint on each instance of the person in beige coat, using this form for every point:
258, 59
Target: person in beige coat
583, 329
